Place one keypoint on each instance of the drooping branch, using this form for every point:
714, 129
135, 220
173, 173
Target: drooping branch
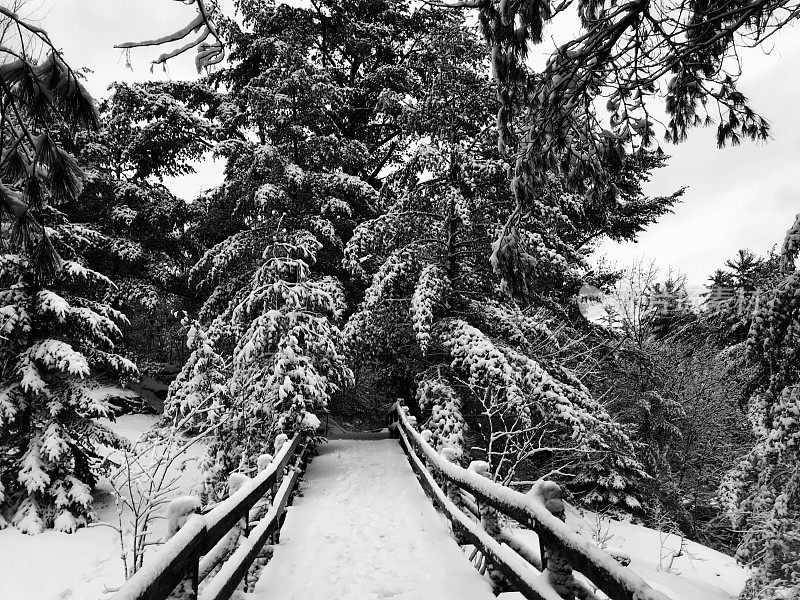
456, 4
208, 54
583, 115
36, 97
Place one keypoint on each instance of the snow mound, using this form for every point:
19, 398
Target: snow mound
311, 421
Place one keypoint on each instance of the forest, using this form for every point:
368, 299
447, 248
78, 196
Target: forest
410, 207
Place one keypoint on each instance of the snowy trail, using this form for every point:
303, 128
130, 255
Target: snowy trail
365, 530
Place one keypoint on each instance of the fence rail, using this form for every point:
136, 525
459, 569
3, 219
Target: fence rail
557, 543
223, 538
175, 572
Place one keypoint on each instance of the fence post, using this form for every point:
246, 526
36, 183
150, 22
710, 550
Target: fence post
393, 424
242, 527
262, 506
178, 511
305, 449
280, 440
453, 491
490, 522
557, 565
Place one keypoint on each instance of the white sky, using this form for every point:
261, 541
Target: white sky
743, 197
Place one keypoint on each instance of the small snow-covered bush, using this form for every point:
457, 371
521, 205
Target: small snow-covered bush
446, 423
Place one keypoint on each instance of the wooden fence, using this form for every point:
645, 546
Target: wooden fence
230, 537
222, 536
471, 501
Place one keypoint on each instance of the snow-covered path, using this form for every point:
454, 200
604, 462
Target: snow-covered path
365, 530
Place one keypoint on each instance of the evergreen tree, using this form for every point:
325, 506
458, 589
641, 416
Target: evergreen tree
763, 492
146, 132
272, 335
736, 295
744, 269
668, 305
56, 329
435, 303
325, 90
342, 90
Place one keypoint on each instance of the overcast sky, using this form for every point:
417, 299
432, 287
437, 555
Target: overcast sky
743, 197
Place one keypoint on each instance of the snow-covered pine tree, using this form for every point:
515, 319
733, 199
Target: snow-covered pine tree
436, 304
56, 332
446, 423
58, 350
272, 336
325, 91
200, 402
434, 286
146, 132
762, 493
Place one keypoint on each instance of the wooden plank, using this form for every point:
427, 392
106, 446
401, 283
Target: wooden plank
518, 572
161, 574
616, 581
229, 577
181, 553
229, 511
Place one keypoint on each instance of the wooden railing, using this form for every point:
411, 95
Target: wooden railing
469, 499
222, 536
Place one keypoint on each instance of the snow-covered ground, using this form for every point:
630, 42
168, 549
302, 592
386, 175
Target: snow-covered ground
79, 566
700, 573
362, 530
365, 530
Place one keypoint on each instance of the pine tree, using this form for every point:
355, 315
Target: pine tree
436, 304
57, 331
325, 90
762, 493
341, 90
57, 351
146, 132
735, 294
668, 305
272, 337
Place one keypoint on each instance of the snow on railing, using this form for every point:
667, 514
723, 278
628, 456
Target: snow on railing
560, 550
203, 542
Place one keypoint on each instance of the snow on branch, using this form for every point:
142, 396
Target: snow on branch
208, 54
